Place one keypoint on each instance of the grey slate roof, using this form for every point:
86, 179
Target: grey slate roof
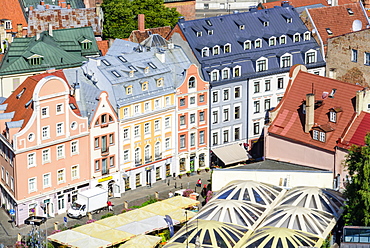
14, 124
112, 72
220, 30
89, 93
74, 3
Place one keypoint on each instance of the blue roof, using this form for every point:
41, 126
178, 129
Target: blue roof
235, 29
112, 72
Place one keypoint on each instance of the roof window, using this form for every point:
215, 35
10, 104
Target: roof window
152, 65
105, 62
115, 73
350, 11
329, 31
73, 107
209, 23
122, 59
21, 93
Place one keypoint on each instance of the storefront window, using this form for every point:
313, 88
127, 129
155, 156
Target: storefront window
182, 164
127, 183
32, 209
201, 160
138, 183
158, 173
168, 170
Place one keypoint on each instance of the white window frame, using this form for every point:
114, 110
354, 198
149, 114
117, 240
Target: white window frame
60, 128
227, 45
126, 112
256, 42
61, 106
322, 137
282, 60
201, 137
354, 55
216, 50
309, 52
34, 188
147, 106
264, 64
215, 138
192, 139
62, 155
296, 35
167, 122
45, 112
168, 101
48, 184
215, 116
45, 156
182, 141
226, 73
307, 35
126, 133
137, 130
126, 155
45, 132
205, 52
137, 109
247, 45
366, 58
75, 173
74, 147
282, 40
226, 114
235, 69
157, 125
226, 136
192, 118
214, 75
333, 116
315, 134
272, 41
167, 143
147, 128
157, 103
63, 174
31, 159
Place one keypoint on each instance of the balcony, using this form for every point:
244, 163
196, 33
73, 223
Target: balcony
138, 162
148, 159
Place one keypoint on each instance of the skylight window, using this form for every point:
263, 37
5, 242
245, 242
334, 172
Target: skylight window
329, 31
209, 23
152, 65
20, 93
115, 73
132, 68
73, 107
105, 62
350, 11
122, 59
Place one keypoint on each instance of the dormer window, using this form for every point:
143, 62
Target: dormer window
225, 73
261, 64
241, 27
35, 59
129, 90
227, 48
205, 52
332, 116
216, 50
247, 45
199, 33
282, 40
214, 75
86, 44
265, 23
258, 43
237, 71
272, 41
296, 38
319, 135
329, 31
289, 20
307, 36
8, 24
350, 11
160, 82
310, 56
210, 32
286, 60
144, 86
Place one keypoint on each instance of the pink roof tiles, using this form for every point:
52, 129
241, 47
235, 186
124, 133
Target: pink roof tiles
290, 119
12, 10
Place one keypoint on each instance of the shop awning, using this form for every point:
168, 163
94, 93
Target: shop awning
231, 154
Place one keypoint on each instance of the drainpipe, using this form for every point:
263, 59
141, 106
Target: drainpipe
247, 108
318, 35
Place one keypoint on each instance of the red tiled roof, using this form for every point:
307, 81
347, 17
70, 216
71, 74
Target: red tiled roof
357, 131
12, 10
103, 46
18, 104
138, 36
302, 3
290, 120
337, 19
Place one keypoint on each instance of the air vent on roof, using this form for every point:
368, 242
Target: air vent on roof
105, 62
20, 93
331, 95
350, 12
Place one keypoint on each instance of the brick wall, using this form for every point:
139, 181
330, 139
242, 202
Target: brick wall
186, 9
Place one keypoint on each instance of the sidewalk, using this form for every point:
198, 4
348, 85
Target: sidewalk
8, 233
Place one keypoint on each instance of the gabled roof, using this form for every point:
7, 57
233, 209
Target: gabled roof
103, 46
290, 120
74, 3
62, 50
338, 19
235, 29
20, 104
12, 10
303, 3
138, 36
357, 131
38, 20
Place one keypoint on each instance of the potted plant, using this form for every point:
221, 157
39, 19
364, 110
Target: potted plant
188, 173
180, 176
206, 169
198, 171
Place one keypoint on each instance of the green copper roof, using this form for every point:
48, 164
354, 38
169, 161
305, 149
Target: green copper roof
62, 50
74, 3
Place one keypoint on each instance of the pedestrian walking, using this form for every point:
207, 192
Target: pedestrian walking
199, 183
170, 195
204, 191
110, 205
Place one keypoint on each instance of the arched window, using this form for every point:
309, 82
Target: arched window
137, 156
157, 150
191, 82
147, 154
205, 52
286, 60
261, 64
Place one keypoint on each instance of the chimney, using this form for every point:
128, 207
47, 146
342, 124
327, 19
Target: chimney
310, 112
359, 101
97, 9
141, 22
50, 29
42, 3
19, 30
37, 36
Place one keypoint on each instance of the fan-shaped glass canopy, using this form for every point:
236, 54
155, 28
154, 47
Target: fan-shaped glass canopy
211, 234
251, 191
303, 219
273, 237
233, 211
316, 198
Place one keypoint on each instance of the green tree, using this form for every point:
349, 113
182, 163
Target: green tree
357, 209
120, 16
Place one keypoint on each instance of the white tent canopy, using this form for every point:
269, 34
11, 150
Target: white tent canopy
231, 154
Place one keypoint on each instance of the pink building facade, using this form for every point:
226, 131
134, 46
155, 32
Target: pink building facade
192, 122
50, 142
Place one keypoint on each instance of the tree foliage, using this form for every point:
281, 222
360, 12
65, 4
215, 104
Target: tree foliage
120, 16
357, 209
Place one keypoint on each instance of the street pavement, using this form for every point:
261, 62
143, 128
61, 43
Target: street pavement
9, 233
